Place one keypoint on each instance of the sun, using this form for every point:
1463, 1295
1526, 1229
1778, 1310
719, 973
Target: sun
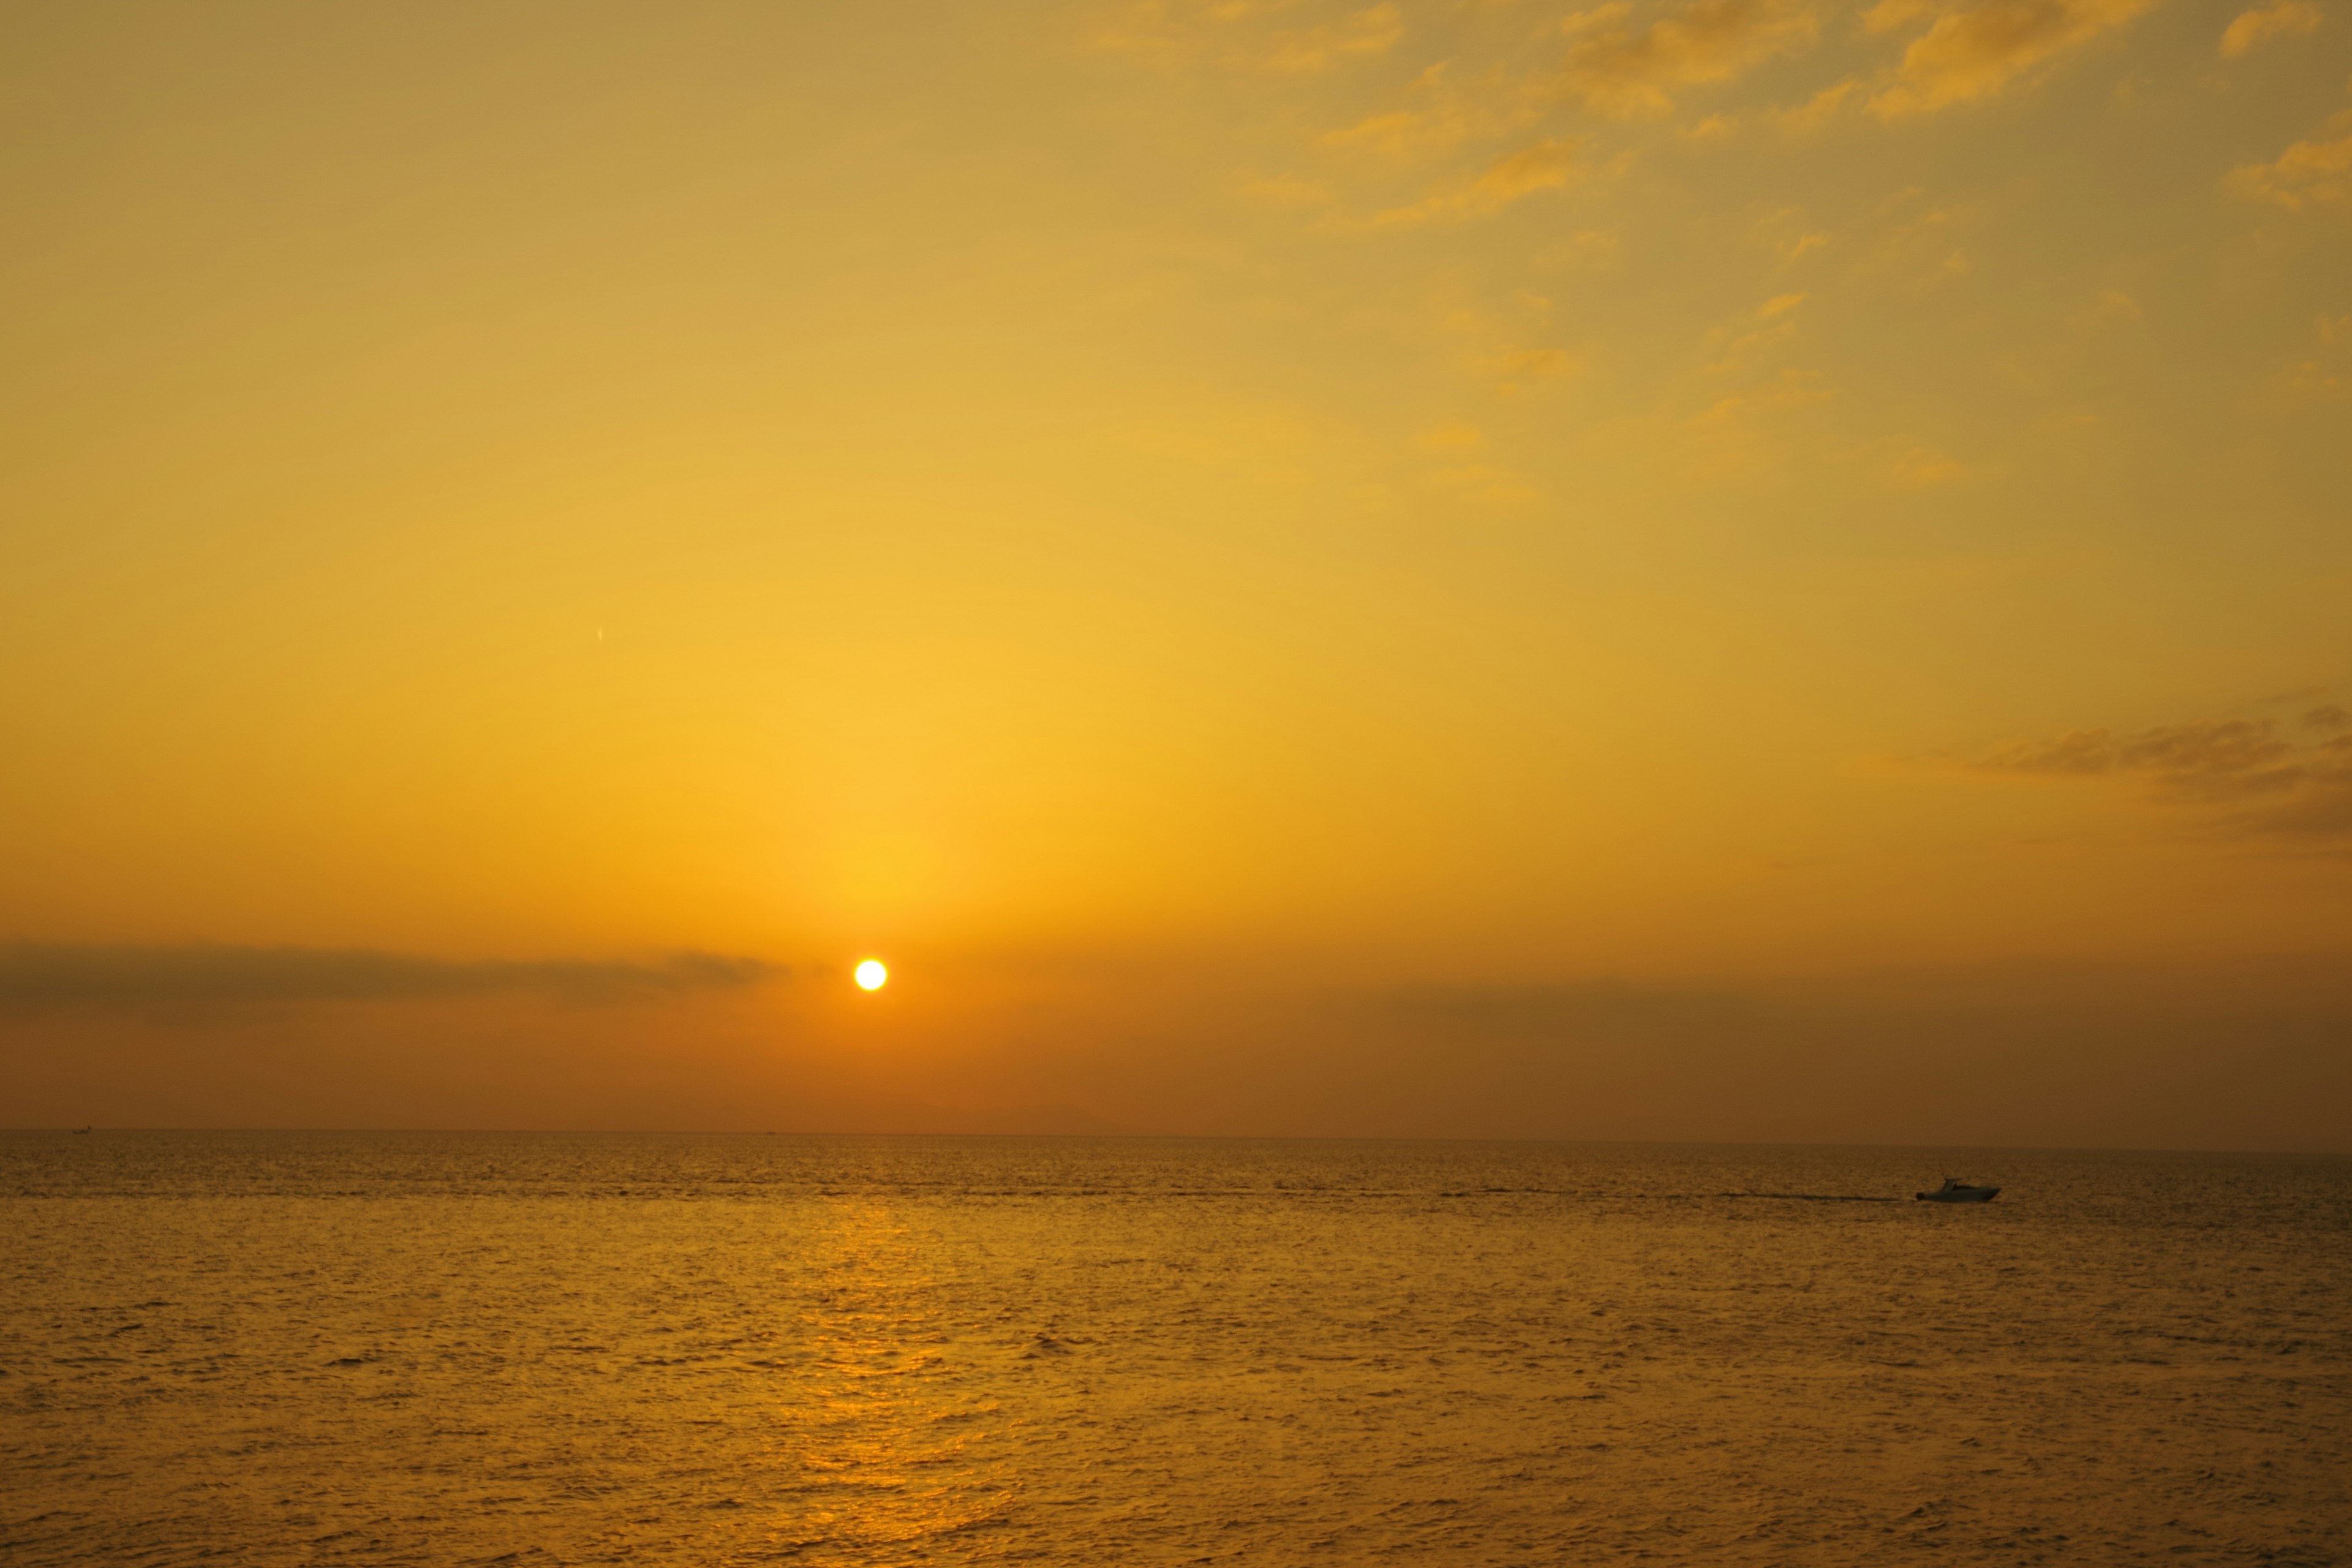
871, 974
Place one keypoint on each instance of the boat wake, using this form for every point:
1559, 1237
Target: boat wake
1812, 1197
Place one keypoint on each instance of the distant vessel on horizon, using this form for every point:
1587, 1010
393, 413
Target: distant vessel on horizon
1956, 1191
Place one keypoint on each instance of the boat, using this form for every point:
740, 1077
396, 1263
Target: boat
1956, 1191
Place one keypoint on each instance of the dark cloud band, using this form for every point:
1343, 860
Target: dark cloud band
2286, 778
50, 975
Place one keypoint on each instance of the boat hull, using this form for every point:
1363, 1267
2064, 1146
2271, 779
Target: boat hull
1960, 1196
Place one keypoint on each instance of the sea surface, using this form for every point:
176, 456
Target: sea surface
286, 1348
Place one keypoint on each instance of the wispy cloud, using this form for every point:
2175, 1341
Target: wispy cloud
1919, 250
1235, 34
1627, 71
1738, 344
1440, 110
1547, 165
1924, 467
2309, 174
2281, 777
1889, 15
1452, 436
1361, 36
2110, 306
52, 974
1789, 237
2282, 18
1818, 110
1977, 51
1790, 389
1519, 367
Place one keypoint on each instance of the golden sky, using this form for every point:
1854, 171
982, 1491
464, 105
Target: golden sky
1443, 568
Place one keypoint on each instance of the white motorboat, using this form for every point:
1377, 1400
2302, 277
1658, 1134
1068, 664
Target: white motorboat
1955, 1191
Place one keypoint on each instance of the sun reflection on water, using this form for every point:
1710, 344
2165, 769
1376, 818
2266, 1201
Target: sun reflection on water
886, 1441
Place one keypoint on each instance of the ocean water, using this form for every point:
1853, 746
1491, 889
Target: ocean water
279, 1348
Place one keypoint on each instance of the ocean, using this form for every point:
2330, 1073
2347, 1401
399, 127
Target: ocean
294, 1348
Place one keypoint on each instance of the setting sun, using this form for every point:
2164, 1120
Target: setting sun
870, 974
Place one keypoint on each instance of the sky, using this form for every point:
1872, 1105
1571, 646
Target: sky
1683, 568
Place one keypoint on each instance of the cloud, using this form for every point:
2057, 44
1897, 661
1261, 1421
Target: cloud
1735, 347
1548, 165
1229, 31
2274, 778
1401, 131
1455, 437
1923, 467
1889, 15
1818, 110
1626, 71
1976, 52
2309, 174
2225, 748
34, 975
1791, 389
1920, 253
1786, 233
2112, 307
1442, 112
2308, 380
2282, 18
1362, 35
1520, 366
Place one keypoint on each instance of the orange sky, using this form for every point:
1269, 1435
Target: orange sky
1649, 570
